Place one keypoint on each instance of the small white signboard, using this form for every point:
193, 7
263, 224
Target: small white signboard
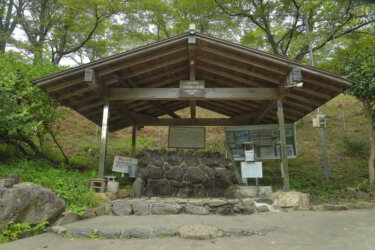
121, 164
252, 169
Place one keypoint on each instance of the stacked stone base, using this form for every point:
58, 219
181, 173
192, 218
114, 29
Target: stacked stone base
183, 174
205, 206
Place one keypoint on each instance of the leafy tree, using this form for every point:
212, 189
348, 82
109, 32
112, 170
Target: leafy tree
26, 111
65, 25
356, 60
280, 26
10, 13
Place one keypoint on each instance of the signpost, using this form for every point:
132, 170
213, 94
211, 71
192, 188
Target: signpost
186, 137
252, 169
125, 165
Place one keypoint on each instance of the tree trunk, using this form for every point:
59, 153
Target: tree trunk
3, 44
371, 170
59, 146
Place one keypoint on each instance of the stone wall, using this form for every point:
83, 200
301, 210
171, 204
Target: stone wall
183, 174
203, 206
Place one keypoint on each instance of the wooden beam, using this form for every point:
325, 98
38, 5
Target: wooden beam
95, 83
143, 60
244, 60
230, 76
157, 66
74, 93
283, 151
238, 69
263, 110
63, 85
156, 104
131, 94
191, 122
192, 61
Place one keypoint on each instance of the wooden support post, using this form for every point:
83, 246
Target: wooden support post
191, 46
103, 141
134, 141
283, 151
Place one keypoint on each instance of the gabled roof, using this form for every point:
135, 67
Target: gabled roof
221, 64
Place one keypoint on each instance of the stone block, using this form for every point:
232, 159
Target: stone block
197, 202
89, 213
215, 202
123, 193
198, 232
141, 207
6, 183
224, 210
176, 174
291, 199
67, 217
161, 208
15, 177
99, 211
192, 161
138, 187
246, 191
265, 192
196, 210
155, 172
30, 203
122, 208
101, 198
111, 196
195, 175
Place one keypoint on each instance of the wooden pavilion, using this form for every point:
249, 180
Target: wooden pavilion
137, 87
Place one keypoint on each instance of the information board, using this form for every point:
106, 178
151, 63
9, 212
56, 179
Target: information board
190, 88
252, 169
186, 137
121, 164
266, 141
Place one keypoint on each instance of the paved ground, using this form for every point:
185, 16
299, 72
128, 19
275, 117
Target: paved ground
344, 230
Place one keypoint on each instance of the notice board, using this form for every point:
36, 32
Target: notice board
121, 164
186, 137
252, 169
266, 140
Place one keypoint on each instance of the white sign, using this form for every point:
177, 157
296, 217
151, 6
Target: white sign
186, 137
121, 164
252, 169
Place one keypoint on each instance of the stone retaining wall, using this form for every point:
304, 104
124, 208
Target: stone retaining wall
159, 206
183, 174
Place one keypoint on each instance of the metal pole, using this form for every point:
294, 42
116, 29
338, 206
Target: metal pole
323, 152
103, 141
283, 152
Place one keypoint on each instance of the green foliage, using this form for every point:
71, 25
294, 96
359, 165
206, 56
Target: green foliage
72, 186
355, 147
23, 107
280, 26
15, 231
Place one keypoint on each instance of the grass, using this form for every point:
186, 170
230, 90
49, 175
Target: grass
71, 185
